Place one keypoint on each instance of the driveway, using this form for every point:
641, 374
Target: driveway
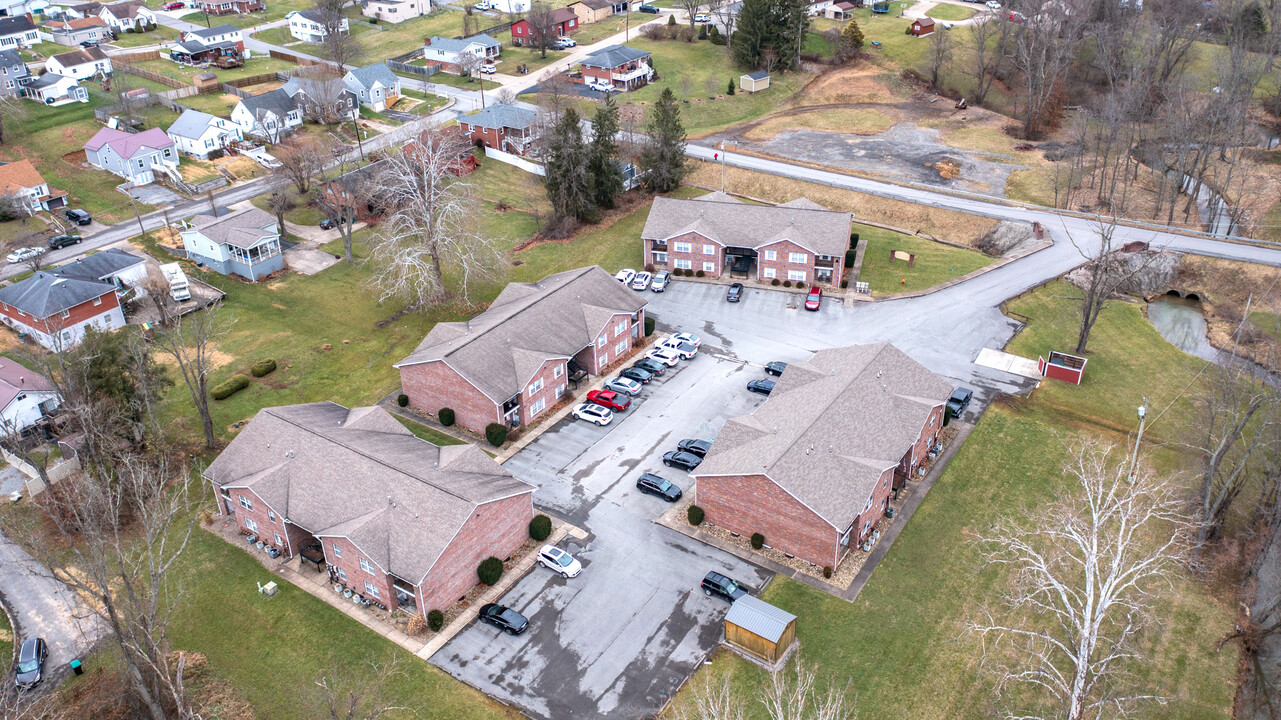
619, 639
44, 607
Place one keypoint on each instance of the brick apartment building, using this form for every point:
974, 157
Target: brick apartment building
800, 241
402, 522
513, 362
812, 468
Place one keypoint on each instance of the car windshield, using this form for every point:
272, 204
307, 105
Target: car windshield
665, 485
29, 666
730, 586
564, 559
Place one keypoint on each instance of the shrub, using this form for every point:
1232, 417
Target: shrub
649, 267
719, 39
373, 21
671, 20
206, 517
800, 285
731, 89
845, 284
787, 283
775, 282
418, 626
402, 400
827, 571
700, 273
229, 387
216, 154
445, 416
702, 32
262, 367
695, 515
130, 30
649, 326
496, 434
853, 240
540, 527
713, 31
435, 620
850, 257
490, 570
687, 35
758, 541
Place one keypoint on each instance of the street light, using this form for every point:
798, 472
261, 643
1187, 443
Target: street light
1143, 416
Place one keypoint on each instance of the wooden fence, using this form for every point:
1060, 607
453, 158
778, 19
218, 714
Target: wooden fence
233, 90
406, 57
154, 77
253, 80
415, 70
126, 58
295, 59
491, 31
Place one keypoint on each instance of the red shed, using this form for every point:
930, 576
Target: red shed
922, 27
1061, 366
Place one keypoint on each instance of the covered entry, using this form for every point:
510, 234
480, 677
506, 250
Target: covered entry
740, 262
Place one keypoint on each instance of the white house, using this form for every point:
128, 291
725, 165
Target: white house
270, 116
80, 64
198, 134
25, 397
394, 11
55, 89
376, 86
16, 32
136, 157
450, 53
122, 16
313, 25
213, 35
21, 180
245, 243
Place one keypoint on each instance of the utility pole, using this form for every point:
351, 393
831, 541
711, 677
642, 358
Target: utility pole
1143, 415
722, 159
627, 23
138, 216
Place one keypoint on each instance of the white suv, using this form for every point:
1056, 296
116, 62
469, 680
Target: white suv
641, 281
664, 355
558, 560
593, 413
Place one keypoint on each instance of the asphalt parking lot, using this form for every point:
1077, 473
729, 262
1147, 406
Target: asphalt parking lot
620, 638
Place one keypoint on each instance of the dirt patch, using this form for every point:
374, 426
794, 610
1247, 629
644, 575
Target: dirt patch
217, 359
853, 119
76, 158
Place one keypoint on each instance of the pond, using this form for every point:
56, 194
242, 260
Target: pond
1182, 322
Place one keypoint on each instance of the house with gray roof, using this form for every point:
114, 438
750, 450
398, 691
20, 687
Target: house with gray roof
55, 89
314, 26
55, 310
401, 522
799, 241
500, 126
324, 99
456, 55
123, 269
14, 73
244, 243
376, 86
270, 116
512, 363
813, 468
617, 66
198, 134
17, 32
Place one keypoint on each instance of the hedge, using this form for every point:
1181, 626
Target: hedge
496, 434
229, 387
436, 620
445, 416
262, 367
695, 515
540, 527
850, 257
776, 282
649, 326
758, 541
402, 400
700, 273
827, 571
490, 570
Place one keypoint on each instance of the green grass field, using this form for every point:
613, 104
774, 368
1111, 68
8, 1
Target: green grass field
258, 65
947, 11
160, 35
220, 104
276, 36
934, 263
399, 38
302, 214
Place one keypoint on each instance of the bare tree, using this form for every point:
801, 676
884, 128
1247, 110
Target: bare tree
469, 64
542, 27
301, 159
343, 198
938, 55
433, 223
326, 98
787, 696
691, 8
558, 93
192, 341
726, 14
1084, 572
280, 203
1045, 48
338, 45
340, 697
1108, 269
992, 39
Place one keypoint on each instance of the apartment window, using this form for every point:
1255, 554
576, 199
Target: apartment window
251, 524
621, 347
796, 275
246, 503
683, 264
867, 526
868, 506
886, 482
537, 407
600, 341
558, 371
799, 258
66, 314
97, 301
371, 590
660, 257
684, 247
367, 566
620, 328
560, 391
342, 574
709, 249
337, 551
278, 540
770, 255
535, 386
769, 272
709, 267
271, 515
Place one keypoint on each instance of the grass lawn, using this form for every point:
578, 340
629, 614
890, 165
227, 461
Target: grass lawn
159, 116
161, 34
934, 263
458, 81
901, 646
253, 66
6, 643
431, 435
275, 36
132, 82
215, 104
197, 171
429, 102
400, 38
947, 11
500, 182
43, 51
513, 56
302, 214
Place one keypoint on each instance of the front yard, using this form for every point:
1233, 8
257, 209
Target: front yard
257, 65
399, 38
161, 35
220, 104
934, 263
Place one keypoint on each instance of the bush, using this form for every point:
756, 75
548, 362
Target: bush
418, 626
671, 20
490, 570
649, 267
130, 30
853, 240
775, 282
719, 39
540, 527
758, 541
435, 620
445, 416
649, 326
845, 284
731, 89
496, 434
373, 21
229, 387
787, 283
695, 515
850, 257
700, 273
262, 367
800, 285
216, 154
827, 571
402, 400
702, 32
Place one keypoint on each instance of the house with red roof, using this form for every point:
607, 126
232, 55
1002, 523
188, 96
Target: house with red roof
136, 157
26, 397
23, 181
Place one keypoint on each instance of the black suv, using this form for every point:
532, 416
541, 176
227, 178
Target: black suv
504, 618
959, 401
735, 293
697, 447
722, 587
775, 368
61, 241
651, 484
764, 387
31, 657
79, 217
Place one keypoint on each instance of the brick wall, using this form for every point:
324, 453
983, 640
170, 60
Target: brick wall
267, 520
748, 504
596, 358
695, 254
434, 385
356, 577
495, 529
649, 254
78, 314
547, 393
866, 520
781, 263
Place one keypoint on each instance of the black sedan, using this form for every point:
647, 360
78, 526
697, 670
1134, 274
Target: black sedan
653, 367
764, 387
31, 657
722, 587
637, 374
651, 484
775, 368
735, 293
503, 618
697, 447
686, 461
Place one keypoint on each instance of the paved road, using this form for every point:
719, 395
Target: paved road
44, 607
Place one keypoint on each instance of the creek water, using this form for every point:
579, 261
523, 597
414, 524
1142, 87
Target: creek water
1182, 323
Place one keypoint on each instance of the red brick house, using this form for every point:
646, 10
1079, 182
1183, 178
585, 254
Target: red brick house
502, 127
812, 468
625, 68
800, 241
228, 7
402, 522
512, 363
55, 309
562, 22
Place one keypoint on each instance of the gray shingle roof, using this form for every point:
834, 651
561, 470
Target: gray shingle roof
191, 124
612, 56
213, 31
759, 617
47, 80
98, 266
499, 350
45, 294
722, 219
11, 57
86, 56
320, 17
243, 228
500, 116
831, 427
378, 72
360, 474
456, 45
758, 75
277, 101
15, 25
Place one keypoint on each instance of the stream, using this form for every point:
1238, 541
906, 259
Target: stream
1182, 323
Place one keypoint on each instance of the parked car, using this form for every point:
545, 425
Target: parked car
959, 401
660, 281
775, 368
723, 587
682, 459
565, 43
993, 4
79, 217
697, 447
25, 254
88, 43
503, 618
604, 86
625, 276
483, 5
683, 350
640, 375
559, 561
488, 68
764, 387
328, 224
664, 355
609, 399
651, 9
690, 338
61, 241
1013, 16
173, 6
651, 484
624, 385
641, 281
702, 18
649, 365
735, 293
593, 413
31, 657
815, 299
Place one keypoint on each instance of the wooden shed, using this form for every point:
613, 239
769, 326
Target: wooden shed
922, 27
754, 82
1061, 366
760, 628
206, 79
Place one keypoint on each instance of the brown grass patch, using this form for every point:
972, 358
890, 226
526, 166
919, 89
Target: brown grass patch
217, 359
851, 121
863, 83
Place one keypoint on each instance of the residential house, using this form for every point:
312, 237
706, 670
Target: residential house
921, 27
840, 10
812, 469
55, 89
229, 7
511, 7
818, 8
128, 272
395, 11
76, 31
128, 15
376, 86
136, 157
13, 8
21, 180
325, 99
269, 116
55, 310
502, 127
198, 134
511, 363
798, 241
205, 44
84, 10
590, 11
453, 56
625, 68
17, 32
80, 64
314, 25
561, 22
14, 73
402, 523
26, 398
245, 243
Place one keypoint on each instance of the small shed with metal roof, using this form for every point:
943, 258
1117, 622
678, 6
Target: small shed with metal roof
760, 628
754, 82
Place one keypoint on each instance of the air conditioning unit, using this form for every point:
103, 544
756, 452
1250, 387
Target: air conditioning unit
920, 471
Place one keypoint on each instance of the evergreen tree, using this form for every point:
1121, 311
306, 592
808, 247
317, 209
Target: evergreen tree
606, 175
568, 181
852, 36
779, 25
752, 32
663, 158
